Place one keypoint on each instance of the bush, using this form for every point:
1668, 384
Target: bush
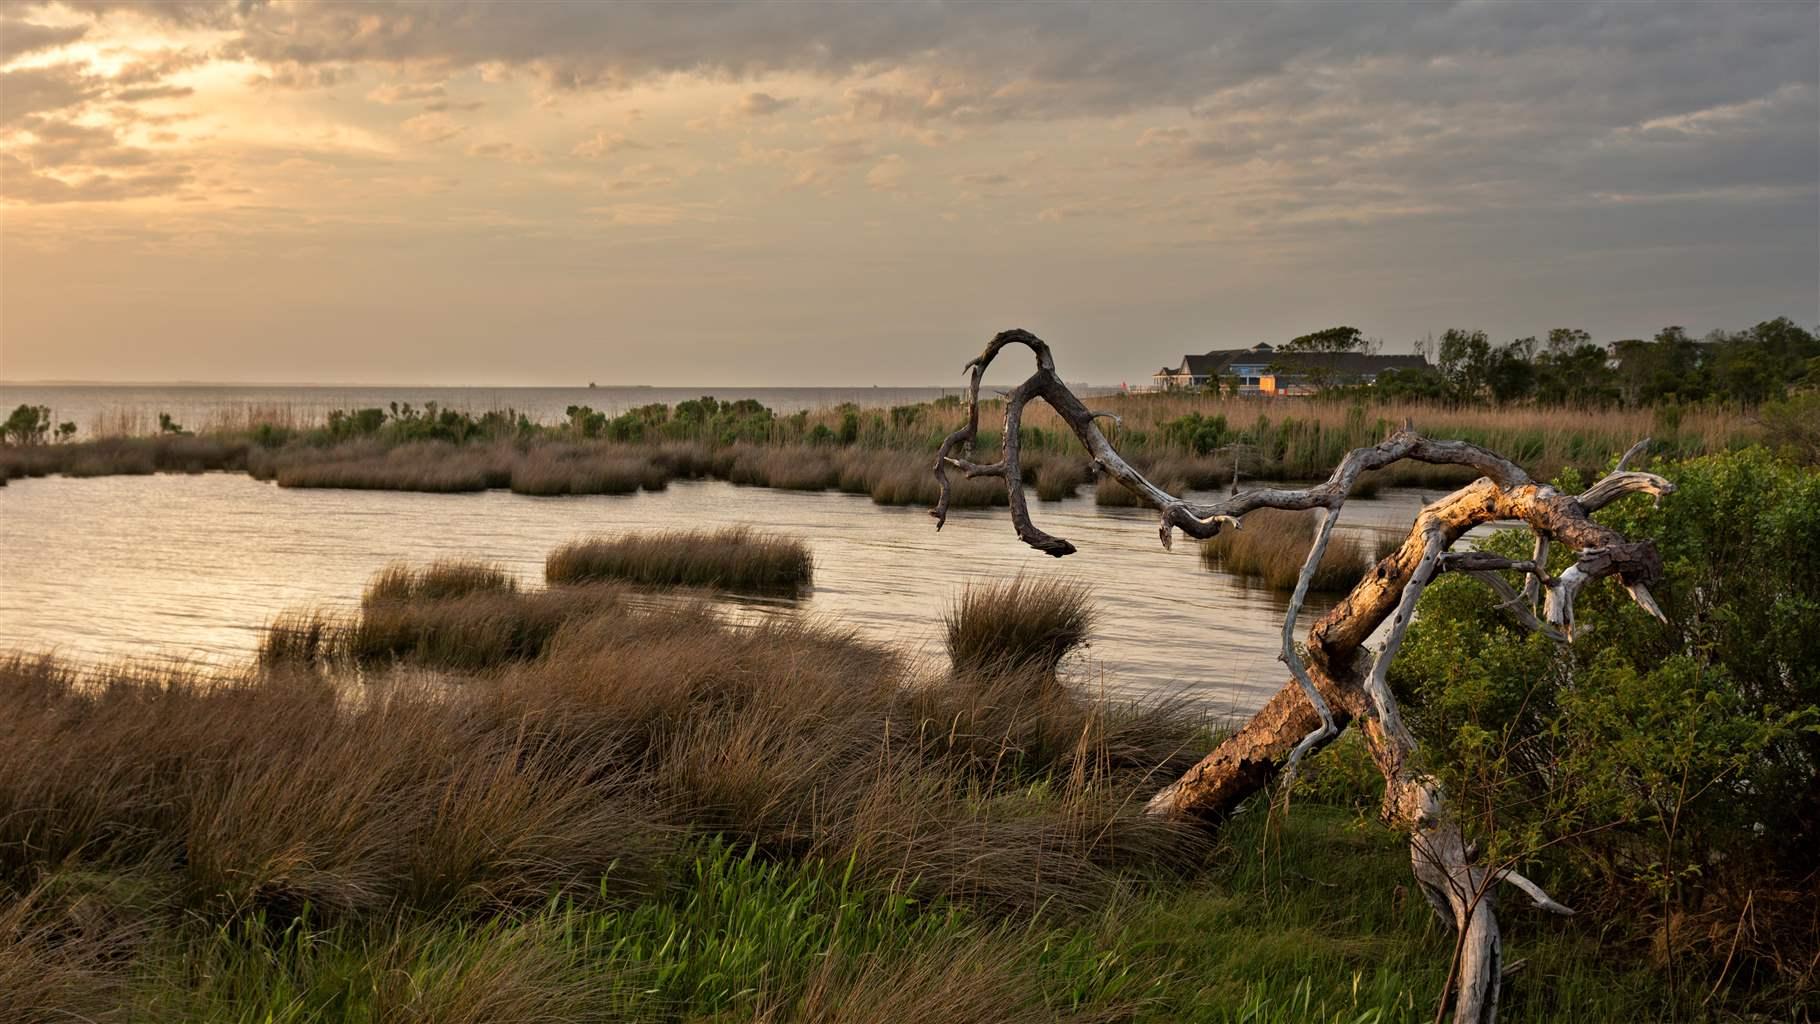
1668, 769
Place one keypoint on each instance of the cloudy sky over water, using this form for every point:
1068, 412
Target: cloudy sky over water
704, 193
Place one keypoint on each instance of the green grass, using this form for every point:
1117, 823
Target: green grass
1300, 920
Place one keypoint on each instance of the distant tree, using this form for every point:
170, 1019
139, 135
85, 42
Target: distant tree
1510, 373
27, 425
1564, 340
1576, 376
65, 431
1329, 340
1464, 359
1311, 356
1411, 384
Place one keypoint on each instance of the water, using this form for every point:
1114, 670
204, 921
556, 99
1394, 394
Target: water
191, 567
102, 408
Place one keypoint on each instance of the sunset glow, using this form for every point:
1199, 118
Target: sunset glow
545, 193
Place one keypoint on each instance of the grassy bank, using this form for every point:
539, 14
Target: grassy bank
1183, 441
653, 814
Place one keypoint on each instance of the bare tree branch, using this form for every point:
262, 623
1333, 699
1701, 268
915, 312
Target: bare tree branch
1336, 684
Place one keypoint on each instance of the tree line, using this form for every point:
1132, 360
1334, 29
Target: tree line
1566, 367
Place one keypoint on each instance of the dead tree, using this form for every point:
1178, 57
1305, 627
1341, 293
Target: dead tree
1340, 681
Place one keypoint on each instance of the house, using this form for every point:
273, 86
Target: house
1263, 370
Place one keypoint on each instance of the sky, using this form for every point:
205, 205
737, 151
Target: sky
524, 193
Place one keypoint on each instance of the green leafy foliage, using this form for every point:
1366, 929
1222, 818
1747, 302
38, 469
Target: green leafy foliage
1670, 766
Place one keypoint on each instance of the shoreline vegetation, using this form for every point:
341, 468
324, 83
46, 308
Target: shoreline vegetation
567, 804
1184, 441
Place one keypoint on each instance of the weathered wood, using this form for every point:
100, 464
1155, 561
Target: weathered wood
1338, 684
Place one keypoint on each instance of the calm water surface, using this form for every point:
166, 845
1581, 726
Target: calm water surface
191, 567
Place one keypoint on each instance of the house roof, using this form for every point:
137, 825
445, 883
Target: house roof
1210, 364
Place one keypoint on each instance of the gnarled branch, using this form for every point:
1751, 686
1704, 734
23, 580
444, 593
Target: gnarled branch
1336, 684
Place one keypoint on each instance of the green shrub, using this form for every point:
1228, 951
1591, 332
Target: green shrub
1665, 767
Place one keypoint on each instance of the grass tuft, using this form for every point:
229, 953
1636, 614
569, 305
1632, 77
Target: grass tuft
1273, 544
440, 580
735, 558
1059, 478
1017, 624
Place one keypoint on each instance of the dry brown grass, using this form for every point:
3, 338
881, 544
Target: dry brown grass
422, 466
550, 470
438, 581
475, 630
1059, 478
62, 955
792, 469
1022, 623
899, 478
1272, 545
736, 558
125, 456
637, 728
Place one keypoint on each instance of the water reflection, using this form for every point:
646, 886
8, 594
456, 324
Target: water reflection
192, 567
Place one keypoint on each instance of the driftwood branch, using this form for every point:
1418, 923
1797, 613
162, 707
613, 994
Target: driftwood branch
1337, 682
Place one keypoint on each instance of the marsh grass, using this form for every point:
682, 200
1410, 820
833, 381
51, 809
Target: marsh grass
1109, 493
575, 776
438, 581
665, 816
432, 466
1025, 622
735, 558
1272, 545
556, 470
484, 627
59, 954
791, 469
126, 456
1059, 478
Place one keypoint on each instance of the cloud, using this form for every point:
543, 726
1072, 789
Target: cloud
27, 91
506, 151
605, 143
407, 92
982, 180
21, 183
432, 127
152, 92
19, 37
761, 104
888, 175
